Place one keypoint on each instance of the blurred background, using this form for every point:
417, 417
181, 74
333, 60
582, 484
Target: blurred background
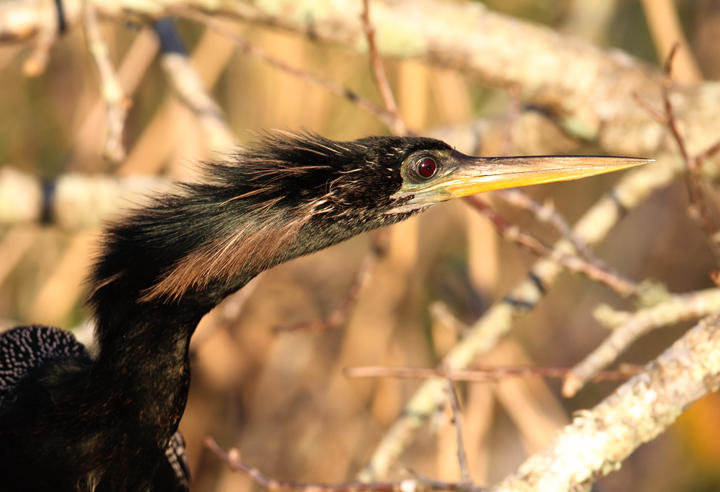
282, 398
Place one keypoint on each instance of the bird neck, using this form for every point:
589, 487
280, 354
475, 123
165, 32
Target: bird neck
166, 265
141, 372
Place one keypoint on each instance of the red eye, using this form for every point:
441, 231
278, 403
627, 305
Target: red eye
426, 167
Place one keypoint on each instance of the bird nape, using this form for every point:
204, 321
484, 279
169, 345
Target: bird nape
72, 423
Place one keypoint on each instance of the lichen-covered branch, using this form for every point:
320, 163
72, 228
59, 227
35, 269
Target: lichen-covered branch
598, 440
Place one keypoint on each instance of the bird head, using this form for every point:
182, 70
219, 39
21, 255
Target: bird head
289, 195
376, 177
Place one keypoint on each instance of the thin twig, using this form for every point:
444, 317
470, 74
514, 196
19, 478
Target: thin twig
699, 207
669, 114
698, 204
116, 102
234, 461
339, 316
546, 213
252, 50
513, 233
707, 153
655, 114
457, 420
438, 485
482, 374
398, 125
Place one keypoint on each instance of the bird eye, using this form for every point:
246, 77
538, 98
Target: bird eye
426, 167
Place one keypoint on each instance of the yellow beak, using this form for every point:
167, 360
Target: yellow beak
463, 175
485, 174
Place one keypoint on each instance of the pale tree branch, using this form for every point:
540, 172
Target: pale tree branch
73, 201
189, 88
598, 440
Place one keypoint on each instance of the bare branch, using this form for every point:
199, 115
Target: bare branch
398, 126
658, 116
256, 52
191, 91
575, 264
708, 153
482, 374
457, 420
115, 101
699, 208
628, 327
420, 484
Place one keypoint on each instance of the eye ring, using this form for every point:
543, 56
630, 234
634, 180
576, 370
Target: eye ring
426, 167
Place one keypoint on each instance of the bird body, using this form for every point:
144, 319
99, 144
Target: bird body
72, 423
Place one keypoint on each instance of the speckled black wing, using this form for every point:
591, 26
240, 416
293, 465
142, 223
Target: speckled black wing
173, 474
177, 458
27, 347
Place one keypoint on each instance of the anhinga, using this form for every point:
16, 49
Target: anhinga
72, 423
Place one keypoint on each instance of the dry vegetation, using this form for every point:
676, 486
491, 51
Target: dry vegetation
269, 365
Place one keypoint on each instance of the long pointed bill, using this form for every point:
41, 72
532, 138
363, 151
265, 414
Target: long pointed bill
476, 175
463, 175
